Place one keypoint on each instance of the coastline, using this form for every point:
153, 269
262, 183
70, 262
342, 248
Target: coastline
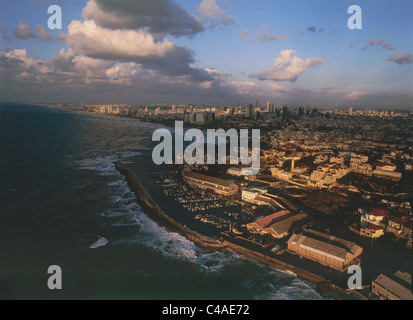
152, 209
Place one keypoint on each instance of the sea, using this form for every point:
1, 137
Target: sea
62, 203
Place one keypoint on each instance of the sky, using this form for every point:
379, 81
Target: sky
212, 52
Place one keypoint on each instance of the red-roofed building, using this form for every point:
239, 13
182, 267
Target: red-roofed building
289, 147
380, 165
260, 224
375, 216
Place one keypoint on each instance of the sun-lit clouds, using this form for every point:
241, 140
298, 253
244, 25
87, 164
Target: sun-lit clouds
287, 67
19, 67
210, 11
154, 16
401, 58
132, 46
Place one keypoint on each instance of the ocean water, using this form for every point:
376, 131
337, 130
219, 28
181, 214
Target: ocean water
63, 203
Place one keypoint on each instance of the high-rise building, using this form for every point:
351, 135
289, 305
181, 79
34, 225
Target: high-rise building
307, 110
285, 112
350, 111
270, 107
250, 111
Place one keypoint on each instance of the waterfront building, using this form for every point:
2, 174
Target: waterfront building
249, 195
397, 287
279, 224
325, 249
219, 186
287, 225
260, 224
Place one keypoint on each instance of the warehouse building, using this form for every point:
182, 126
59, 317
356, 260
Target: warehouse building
219, 186
327, 250
279, 224
399, 287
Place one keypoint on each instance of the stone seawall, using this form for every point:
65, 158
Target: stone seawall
152, 209
304, 274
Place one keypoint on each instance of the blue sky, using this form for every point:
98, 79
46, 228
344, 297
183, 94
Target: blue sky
225, 52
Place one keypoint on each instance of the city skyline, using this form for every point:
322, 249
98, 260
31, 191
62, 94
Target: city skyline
212, 52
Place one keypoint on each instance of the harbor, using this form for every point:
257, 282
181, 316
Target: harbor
223, 228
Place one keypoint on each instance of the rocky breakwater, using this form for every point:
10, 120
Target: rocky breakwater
152, 209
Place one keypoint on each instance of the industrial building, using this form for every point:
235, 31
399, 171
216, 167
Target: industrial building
399, 287
327, 250
279, 224
219, 186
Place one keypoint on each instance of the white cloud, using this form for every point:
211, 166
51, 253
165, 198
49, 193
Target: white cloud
287, 67
209, 10
132, 46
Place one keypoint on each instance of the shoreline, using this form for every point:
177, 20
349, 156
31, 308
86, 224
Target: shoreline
152, 209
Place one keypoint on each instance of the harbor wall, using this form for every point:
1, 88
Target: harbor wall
152, 209
304, 274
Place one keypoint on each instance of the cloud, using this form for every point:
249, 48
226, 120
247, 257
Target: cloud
378, 43
153, 16
209, 10
287, 67
388, 46
401, 58
21, 68
352, 44
132, 46
264, 36
43, 34
356, 95
244, 35
311, 29
23, 31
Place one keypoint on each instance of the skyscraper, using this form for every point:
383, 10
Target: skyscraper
270, 107
250, 111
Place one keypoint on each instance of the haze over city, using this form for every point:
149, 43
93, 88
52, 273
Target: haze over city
208, 52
